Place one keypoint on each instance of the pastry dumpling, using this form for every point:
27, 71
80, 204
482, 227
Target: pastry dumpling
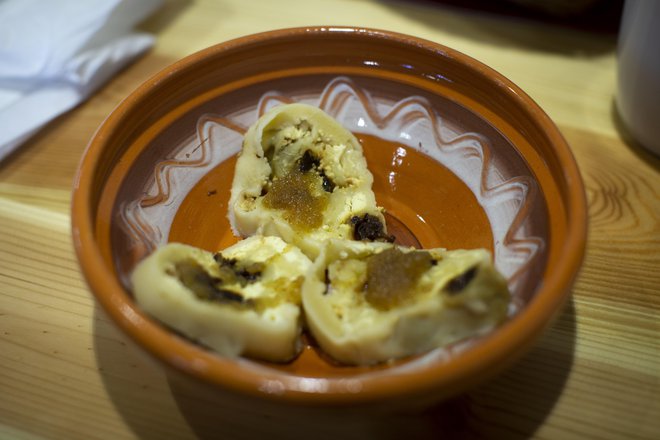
303, 177
371, 302
244, 300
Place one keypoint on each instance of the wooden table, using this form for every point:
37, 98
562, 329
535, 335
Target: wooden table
67, 373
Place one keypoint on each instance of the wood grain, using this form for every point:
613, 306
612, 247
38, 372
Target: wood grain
66, 372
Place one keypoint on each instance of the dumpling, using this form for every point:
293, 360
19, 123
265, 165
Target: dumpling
367, 303
303, 177
244, 300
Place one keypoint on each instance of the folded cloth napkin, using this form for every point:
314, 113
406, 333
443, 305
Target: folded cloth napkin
55, 53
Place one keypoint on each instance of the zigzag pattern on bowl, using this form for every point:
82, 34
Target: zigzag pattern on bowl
411, 121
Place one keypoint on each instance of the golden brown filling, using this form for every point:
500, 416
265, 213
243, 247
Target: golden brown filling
392, 276
302, 198
212, 288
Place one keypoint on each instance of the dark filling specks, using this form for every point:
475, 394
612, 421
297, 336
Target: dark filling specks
369, 227
328, 185
206, 287
326, 277
231, 271
460, 282
309, 162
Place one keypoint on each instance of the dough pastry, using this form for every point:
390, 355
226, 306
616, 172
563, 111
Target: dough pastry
242, 301
303, 177
302, 191
371, 302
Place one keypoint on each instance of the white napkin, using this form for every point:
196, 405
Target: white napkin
55, 53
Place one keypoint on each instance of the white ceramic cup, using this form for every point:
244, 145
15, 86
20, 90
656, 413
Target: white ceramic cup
638, 98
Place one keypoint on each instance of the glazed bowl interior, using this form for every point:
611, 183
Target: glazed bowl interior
461, 157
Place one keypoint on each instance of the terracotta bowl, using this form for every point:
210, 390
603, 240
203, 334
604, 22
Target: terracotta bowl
461, 156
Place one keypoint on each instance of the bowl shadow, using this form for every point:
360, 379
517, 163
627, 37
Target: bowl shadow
513, 405
509, 25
